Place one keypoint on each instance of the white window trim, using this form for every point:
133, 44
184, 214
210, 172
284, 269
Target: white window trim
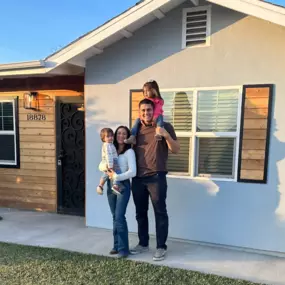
8, 162
208, 8
194, 134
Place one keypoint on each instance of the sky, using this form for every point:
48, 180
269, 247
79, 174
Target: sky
33, 29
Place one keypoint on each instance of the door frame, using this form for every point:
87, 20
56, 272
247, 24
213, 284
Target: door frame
58, 134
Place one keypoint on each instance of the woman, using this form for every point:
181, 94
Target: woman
118, 203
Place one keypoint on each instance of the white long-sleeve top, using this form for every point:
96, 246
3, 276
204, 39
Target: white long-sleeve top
128, 166
109, 153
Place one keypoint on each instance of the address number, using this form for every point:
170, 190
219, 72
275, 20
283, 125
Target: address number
36, 117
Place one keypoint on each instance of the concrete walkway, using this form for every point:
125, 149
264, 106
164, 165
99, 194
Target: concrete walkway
70, 233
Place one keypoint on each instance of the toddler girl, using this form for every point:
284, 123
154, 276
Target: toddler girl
109, 160
150, 92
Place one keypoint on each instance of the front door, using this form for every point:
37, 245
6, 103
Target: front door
70, 159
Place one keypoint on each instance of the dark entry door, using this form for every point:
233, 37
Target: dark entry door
70, 159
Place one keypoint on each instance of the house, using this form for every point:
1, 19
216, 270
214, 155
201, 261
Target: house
219, 65
38, 117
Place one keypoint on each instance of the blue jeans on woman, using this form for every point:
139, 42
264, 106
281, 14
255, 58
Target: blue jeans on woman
118, 206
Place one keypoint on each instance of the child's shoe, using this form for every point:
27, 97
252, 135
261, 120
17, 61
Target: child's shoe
99, 190
116, 189
131, 140
158, 137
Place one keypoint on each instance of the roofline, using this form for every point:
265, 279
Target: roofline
22, 65
86, 34
257, 8
118, 23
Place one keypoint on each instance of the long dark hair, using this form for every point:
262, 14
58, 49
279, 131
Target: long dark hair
152, 84
126, 146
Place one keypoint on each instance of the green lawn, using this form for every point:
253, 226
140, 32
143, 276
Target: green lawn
27, 265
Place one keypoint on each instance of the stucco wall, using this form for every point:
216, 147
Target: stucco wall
244, 50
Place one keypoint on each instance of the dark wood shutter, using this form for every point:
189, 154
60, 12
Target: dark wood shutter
255, 133
136, 97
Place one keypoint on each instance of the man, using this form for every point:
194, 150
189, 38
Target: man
151, 156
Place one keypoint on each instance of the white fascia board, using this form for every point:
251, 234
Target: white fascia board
22, 72
22, 65
107, 30
158, 14
256, 8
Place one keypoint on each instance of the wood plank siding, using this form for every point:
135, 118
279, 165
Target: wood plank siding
33, 185
255, 133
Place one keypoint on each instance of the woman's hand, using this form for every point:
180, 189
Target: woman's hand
111, 173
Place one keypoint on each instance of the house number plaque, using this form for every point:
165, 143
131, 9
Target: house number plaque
36, 117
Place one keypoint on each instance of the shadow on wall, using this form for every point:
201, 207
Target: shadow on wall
94, 114
277, 156
151, 44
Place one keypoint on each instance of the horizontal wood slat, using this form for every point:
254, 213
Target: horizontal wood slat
41, 159
253, 154
136, 97
253, 144
28, 172
49, 195
42, 109
256, 113
37, 132
37, 139
252, 174
36, 125
27, 179
32, 145
38, 165
27, 205
37, 152
29, 199
254, 133
31, 186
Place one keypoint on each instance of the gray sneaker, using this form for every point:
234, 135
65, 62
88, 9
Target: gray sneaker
159, 254
139, 249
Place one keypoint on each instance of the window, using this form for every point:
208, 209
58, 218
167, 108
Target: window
206, 122
224, 133
196, 28
8, 134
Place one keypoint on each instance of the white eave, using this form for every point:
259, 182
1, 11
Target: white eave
259, 9
22, 65
72, 58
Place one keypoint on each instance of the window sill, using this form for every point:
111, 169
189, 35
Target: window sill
181, 176
9, 166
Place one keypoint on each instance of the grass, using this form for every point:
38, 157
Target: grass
27, 265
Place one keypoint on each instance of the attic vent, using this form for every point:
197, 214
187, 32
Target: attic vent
196, 26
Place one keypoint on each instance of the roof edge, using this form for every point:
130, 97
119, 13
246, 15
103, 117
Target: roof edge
22, 65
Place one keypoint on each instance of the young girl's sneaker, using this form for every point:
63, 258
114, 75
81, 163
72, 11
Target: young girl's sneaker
158, 137
131, 140
116, 189
99, 190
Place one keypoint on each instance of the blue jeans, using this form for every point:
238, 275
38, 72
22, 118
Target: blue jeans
117, 169
118, 206
137, 123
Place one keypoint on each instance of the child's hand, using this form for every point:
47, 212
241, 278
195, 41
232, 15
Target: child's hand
111, 173
162, 132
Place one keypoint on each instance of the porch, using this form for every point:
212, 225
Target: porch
70, 233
